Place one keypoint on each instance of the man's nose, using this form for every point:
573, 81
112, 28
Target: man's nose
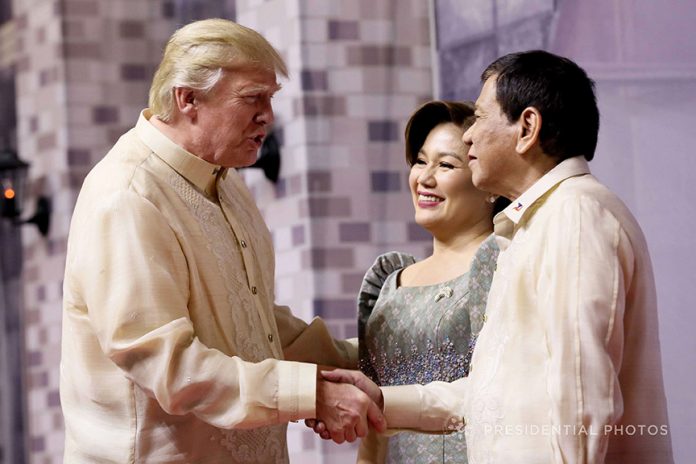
466, 136
265, 115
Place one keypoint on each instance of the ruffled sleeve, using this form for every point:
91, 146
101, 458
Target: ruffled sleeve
372, 283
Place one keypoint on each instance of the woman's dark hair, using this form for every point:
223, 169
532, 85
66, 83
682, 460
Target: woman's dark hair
432, 114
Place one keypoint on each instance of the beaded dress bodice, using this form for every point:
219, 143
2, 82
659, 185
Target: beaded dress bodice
412, 335
419, 335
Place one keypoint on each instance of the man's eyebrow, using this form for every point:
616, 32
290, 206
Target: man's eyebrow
255, 88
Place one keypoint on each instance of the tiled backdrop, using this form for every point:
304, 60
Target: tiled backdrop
358, 69
82, 72
82, 68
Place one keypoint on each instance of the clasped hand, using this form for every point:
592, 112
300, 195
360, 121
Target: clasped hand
347, 404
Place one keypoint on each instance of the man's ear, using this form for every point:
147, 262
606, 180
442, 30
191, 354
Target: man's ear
186, 102
529, 126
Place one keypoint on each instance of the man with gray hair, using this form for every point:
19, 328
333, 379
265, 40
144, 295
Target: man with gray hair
173, 349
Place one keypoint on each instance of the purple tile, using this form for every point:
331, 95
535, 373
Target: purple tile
23, 64
41, 35
335, 308
76, 50
328, 258
33, 317
314, 80
47, 76
350, 330
378, 55
298, 235
37, 444
31, 274
57, 246
294, 184
383, 131
41, 293
53, 399
115, 133
131, 29
75, 178
326, 207
104, 114
350, 282
38, 379
320, 105
133, 72
385, 181
319, 181
21, 22
281, 188
79, 157
34, 358
80, 7
354, 232
73, 29
46, 141
343, 30
416, 233
168, 9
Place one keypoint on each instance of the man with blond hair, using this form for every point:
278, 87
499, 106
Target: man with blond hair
173, 349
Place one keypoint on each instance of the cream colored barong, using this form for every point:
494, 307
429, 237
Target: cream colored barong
172, 345
567, 367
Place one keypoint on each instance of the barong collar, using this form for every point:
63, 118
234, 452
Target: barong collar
202, 174
505, 221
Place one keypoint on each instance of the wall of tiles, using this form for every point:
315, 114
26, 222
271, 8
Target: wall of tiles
358, 69
82, 73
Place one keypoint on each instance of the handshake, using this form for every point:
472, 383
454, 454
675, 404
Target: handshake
347, 404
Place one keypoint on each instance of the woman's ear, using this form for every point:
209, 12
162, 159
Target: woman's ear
186, 102
529, 128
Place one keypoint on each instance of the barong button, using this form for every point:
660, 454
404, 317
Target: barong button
270, 338
253, 290
243, 243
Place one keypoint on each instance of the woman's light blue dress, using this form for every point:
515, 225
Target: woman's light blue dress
422, 334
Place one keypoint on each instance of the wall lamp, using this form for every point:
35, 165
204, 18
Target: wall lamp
269, 158
13, 174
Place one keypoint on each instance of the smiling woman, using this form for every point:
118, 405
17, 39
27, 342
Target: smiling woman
418, 320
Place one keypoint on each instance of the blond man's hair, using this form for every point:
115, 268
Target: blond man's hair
197, 54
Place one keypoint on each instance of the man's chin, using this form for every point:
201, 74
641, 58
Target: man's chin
477, 180
239, 162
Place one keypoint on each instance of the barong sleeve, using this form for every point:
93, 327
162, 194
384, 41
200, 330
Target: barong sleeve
581, 303
313, 342
435, 408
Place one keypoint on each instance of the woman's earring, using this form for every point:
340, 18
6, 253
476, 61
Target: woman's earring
491, 198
